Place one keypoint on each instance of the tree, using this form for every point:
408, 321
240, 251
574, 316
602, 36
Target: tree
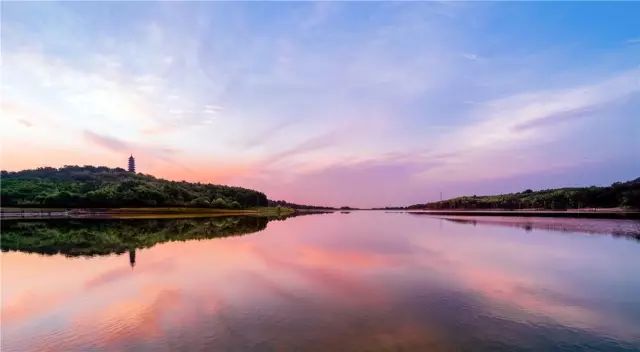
201, 202
219, 203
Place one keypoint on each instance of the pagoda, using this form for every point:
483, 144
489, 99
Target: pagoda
132, 164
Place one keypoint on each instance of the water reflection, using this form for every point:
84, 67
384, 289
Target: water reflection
619, 228
132, 257
345, 282
102, 237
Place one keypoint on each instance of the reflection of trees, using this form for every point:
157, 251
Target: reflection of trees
101, 237
616, 228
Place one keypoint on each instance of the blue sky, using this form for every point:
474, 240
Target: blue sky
367, 104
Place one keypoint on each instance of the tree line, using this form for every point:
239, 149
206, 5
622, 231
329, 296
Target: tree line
619, 194
103, 187
285, 204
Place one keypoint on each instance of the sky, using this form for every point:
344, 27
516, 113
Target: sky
331, 103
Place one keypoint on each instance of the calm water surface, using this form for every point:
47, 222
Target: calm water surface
364, 281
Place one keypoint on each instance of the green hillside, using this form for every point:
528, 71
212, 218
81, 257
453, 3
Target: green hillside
619, 194
103, 187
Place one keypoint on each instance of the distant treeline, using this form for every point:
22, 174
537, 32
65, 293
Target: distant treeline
619, 194
103, 187
285, 204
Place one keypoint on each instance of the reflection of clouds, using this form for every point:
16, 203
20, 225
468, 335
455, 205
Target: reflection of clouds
321, 257
130, 323
506, 289
140, 318
29, 305
625, 228
529, 278
292, 287
327, 273
116, 274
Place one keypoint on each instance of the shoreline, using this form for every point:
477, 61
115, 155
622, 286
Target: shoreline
571, 213
136, 213
13, 213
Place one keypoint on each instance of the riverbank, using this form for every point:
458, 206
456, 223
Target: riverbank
137, 213
597, 213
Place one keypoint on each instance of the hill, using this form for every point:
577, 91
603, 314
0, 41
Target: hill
103, 187
619, 194
285, 204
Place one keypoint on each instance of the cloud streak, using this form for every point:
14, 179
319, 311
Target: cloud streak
122, 147
107, 142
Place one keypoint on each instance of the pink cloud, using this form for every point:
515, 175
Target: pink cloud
361, 184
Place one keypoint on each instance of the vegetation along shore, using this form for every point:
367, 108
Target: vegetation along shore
102, 192
103, 187
620, 195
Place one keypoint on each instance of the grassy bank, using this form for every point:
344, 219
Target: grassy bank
139, 213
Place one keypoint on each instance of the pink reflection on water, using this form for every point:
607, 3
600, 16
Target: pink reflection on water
348, 281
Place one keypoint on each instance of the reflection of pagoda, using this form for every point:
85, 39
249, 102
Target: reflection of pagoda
132, 258
132, 164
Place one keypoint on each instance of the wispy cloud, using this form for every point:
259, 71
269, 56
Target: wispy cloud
470, 56
109, 143
500, 122
263, 136
311, 144
123, 147
370, 181
25, 122
525, 120
556, 118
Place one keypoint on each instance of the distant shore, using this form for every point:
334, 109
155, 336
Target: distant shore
591, 213
11, 213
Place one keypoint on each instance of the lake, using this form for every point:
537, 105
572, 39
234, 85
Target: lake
359, 281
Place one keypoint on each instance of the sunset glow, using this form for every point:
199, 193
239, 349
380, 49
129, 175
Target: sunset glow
362, 104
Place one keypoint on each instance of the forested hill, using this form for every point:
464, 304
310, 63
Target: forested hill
103, 187
285, 204
619, 194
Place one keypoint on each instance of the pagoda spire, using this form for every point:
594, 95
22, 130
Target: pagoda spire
132, 164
